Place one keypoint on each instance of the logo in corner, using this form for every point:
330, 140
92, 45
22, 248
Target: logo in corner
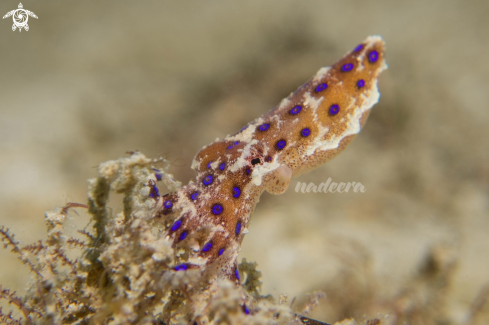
20, 17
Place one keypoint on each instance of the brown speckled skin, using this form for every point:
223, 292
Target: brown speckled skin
254, 163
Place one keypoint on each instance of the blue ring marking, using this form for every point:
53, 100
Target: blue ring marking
305, 132
321, 87
246, 310
264, 127
217, 209
233, 144
181, 267
334, 109
236, 272
207, 247
168, 204
207, 180
183, 236
222, 166
157, 174
176, 225
155, 192
238, 227
295, 110
358, 48
373, 56
281, 144
236, 192
360, 83
221, 251
347, 67
194, 196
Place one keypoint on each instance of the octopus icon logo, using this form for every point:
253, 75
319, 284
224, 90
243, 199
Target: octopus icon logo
20, 17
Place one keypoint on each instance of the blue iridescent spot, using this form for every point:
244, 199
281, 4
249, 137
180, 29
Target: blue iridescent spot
268, 158
236, 192
217, 209
238, 228
154, 192
221, 251
281, 144
347, 67
244, 128
157, 174
305, 132
209, 164
358, 48
236, 272
248, 170
183, 236
373, 56
207, 247
233, 144
181, 267
295, 110
264, 127
176, 225
168, 204
246, 310
334, 109
321, 87
360, 83
194, 196
222, 166
208, 180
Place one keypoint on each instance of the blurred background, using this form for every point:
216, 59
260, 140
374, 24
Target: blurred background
92, 80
